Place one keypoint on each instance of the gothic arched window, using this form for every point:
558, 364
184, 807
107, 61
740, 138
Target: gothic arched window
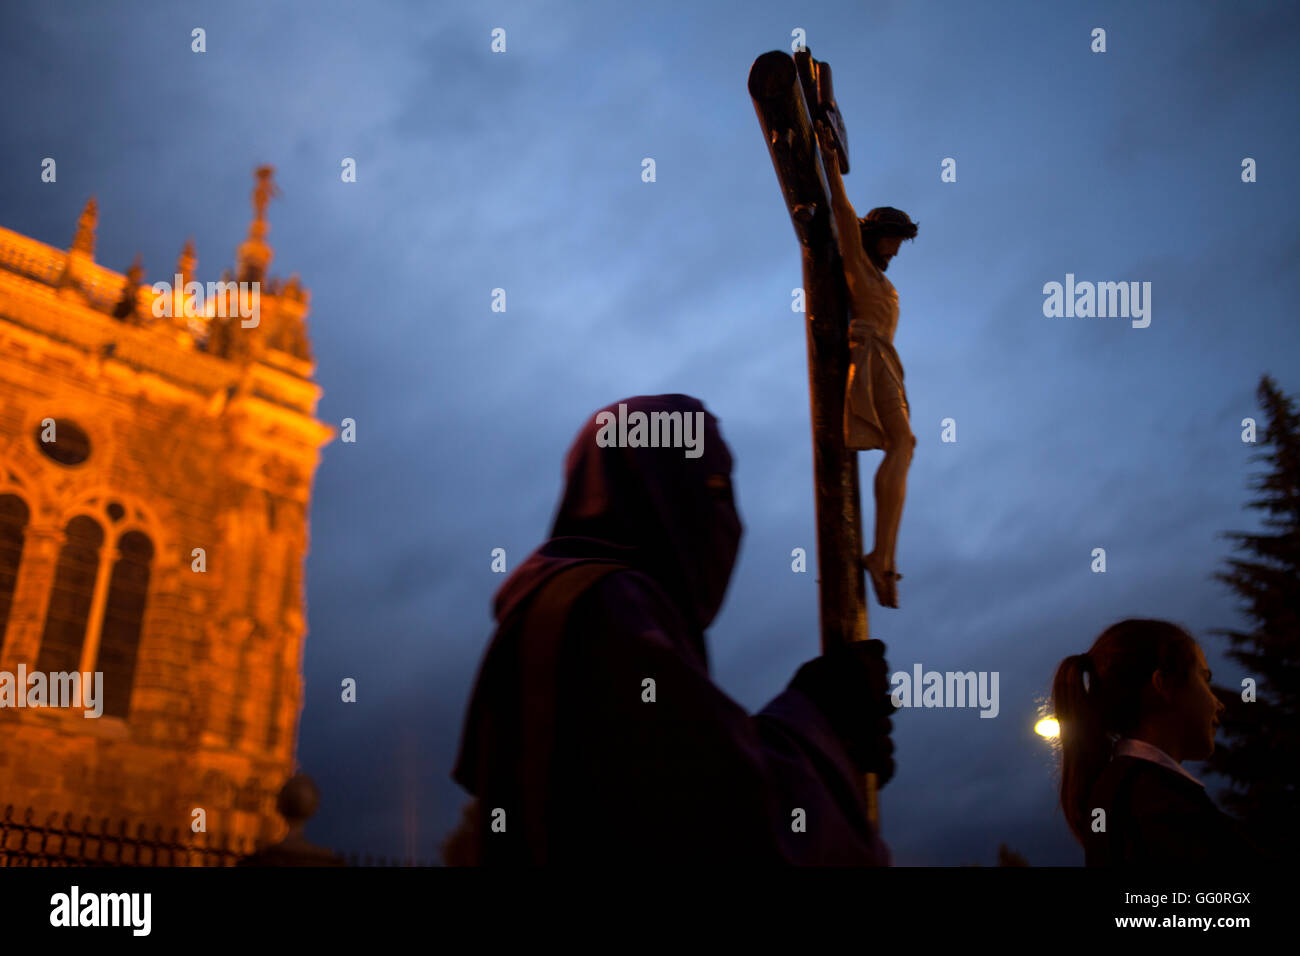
71, 597
119, 639
13, 519
96, 609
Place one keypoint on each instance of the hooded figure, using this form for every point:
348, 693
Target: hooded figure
594, 733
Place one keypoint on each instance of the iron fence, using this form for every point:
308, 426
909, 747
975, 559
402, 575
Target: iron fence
64, 842
56, 842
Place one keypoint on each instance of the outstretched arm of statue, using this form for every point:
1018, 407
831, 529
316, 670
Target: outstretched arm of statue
846, 221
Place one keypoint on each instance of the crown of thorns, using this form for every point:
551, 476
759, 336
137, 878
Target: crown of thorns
888, 221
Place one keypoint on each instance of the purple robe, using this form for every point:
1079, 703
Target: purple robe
687, 778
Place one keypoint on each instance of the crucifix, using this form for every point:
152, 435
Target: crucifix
805, 135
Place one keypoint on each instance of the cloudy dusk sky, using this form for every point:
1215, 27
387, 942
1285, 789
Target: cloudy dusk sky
522, 170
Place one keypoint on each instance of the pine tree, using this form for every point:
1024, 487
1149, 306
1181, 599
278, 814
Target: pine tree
1260, 748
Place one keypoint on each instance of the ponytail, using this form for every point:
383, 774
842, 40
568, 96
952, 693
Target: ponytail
1085, 745
1100, 696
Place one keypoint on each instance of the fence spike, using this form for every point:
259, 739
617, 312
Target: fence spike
151, 844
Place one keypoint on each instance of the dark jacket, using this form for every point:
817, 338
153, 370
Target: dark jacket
561, 744
1157, 817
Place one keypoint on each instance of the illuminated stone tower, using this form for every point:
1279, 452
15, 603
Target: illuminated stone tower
155, 473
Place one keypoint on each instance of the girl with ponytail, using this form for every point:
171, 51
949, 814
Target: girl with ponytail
1130, 710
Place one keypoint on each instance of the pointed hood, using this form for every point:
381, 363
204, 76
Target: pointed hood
668, 515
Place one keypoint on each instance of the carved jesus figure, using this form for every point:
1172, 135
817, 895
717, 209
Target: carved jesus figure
876, 413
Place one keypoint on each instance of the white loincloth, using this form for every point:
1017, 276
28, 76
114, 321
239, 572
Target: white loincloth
875, 382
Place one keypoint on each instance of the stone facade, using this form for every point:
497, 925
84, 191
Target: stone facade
170, 434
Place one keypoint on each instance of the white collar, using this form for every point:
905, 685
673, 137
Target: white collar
1132, 747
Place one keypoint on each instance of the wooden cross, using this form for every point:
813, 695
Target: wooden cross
790, 94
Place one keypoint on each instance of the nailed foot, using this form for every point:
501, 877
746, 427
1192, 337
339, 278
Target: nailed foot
883, 580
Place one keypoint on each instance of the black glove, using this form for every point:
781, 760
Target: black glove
850, 685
